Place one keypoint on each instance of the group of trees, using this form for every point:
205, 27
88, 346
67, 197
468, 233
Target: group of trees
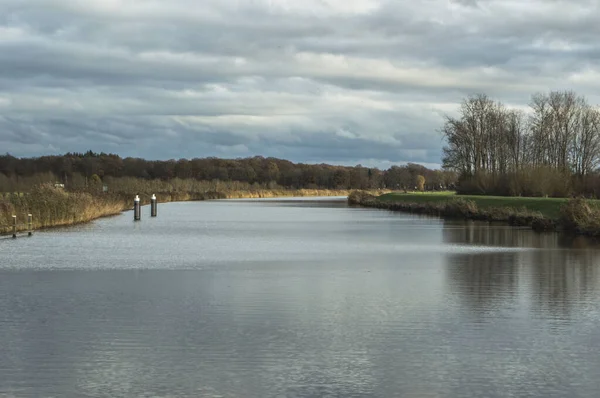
553, 148
417, 177
81, 168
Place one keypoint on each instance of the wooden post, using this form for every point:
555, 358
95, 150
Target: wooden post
153, 206
137, 211
14, 227
30, 224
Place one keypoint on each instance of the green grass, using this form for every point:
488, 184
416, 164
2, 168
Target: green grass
548, 207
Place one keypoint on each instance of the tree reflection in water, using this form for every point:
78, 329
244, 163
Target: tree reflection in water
556, 274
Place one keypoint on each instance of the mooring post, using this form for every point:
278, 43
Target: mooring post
137, 211
153, 206
30, 224
14, 227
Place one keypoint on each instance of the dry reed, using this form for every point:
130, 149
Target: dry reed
53, 207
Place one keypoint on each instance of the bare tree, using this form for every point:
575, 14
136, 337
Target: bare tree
586, 145
561, 132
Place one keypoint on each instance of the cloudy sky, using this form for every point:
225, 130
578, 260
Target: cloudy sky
338, 81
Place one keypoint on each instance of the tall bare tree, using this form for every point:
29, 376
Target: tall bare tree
561, 132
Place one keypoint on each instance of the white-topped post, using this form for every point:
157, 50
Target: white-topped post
153, 206
137, 209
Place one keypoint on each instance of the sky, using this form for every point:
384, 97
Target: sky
336, 81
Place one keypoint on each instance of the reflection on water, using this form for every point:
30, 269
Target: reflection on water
485, 282
494, 234
297, 298
563, 282
537, 310
559, 274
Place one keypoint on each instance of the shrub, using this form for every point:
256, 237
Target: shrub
460, 207
420, 183
361, 197
578, 215
535, 182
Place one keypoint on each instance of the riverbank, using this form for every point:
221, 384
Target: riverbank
577, 216
53, 207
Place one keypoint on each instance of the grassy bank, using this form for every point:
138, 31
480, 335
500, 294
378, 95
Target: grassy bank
579, 216
53, 207
547, 207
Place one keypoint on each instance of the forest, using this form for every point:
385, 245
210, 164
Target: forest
78, 171
552, 148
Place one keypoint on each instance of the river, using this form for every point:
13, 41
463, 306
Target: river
297, 298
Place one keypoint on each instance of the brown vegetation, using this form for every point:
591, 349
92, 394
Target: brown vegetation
580, 217
420, 183
51, 206
362, 198
54, 207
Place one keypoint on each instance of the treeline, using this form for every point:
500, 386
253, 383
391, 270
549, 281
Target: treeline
553, 148
78, 170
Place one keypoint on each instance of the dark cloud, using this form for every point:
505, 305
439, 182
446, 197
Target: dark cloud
345, 81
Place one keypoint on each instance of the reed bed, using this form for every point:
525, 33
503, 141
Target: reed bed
52, 207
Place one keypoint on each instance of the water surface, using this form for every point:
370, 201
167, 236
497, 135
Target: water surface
297, 298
